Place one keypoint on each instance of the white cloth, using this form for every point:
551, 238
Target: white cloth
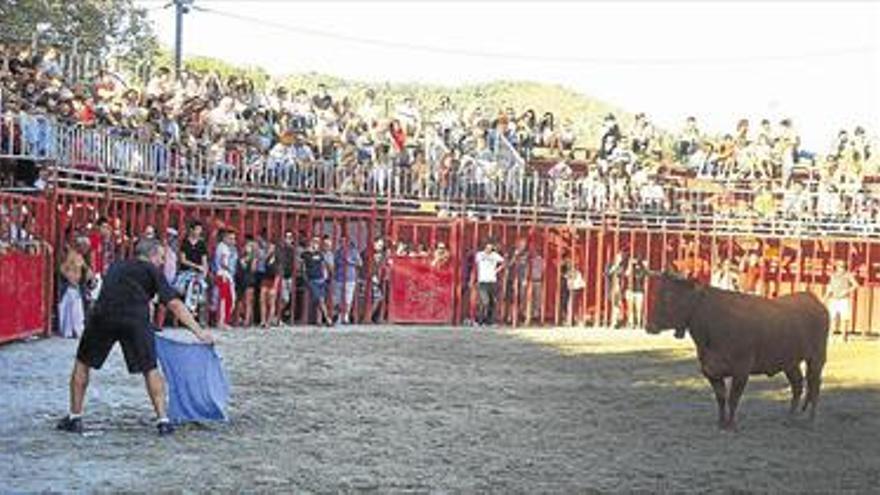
487, 264
71, 316
839, 308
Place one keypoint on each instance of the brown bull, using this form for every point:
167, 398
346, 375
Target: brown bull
739, 334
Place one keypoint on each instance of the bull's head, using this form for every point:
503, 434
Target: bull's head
673, 305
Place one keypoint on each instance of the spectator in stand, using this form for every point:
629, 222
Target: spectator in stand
726, 157
489, 263
861, 144
838, 293
546, 131
611, 136
567, 136
788, 144
688, 140
408, 115
369, 111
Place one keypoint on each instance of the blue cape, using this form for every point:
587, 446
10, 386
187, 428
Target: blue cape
197, 386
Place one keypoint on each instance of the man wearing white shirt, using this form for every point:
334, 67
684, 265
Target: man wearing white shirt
369, 110
408, 115
489, 263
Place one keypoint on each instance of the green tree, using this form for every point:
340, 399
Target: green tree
101, 28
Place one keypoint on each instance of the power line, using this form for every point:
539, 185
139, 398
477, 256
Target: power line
496, 55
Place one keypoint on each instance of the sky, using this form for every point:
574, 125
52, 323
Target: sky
817, 63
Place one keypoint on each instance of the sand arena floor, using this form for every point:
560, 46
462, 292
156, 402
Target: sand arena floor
450, 410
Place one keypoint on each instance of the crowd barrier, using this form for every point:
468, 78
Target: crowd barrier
26, 282
22, 296
419, 293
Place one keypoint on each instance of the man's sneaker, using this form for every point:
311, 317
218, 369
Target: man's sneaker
72, 425
165, 428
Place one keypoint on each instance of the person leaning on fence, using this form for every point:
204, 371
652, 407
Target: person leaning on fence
841, 286
269, 285
121, 314
316, 269
636, 275
615, 277
286, 254
192, 270
225, 261
379, 280
489, 264
347, 262
71, 308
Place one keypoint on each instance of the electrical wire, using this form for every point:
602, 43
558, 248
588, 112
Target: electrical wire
497, 55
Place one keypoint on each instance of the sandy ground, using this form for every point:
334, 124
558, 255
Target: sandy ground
420, 409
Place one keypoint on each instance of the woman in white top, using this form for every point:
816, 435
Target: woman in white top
724, 277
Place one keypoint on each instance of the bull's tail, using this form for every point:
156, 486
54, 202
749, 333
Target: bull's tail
816, 362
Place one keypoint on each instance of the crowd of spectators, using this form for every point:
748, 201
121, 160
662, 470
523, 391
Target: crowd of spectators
17, 229
248, 280
366, 142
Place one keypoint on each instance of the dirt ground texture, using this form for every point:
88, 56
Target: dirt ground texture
404, 409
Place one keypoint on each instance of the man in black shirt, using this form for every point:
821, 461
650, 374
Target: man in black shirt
192, 276
194, 252
122, 314
315, 264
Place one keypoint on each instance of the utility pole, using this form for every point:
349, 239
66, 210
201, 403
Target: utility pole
180, 7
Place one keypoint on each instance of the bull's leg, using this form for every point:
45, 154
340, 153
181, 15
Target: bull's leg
814, 383
721, 397
736, 391
796, 380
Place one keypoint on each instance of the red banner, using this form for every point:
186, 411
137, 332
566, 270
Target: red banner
21, 296
420, 293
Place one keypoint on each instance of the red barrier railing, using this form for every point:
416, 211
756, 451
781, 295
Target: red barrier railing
22, 295
534, 288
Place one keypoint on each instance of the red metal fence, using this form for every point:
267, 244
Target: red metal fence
26, 283
785, 264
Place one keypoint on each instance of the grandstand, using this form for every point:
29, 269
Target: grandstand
332, 159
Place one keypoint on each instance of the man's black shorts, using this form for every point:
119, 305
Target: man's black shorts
135, 335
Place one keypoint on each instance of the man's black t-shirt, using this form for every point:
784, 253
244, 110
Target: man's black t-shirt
285, 256
128, 288
194, 253
322, 102
314, 262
